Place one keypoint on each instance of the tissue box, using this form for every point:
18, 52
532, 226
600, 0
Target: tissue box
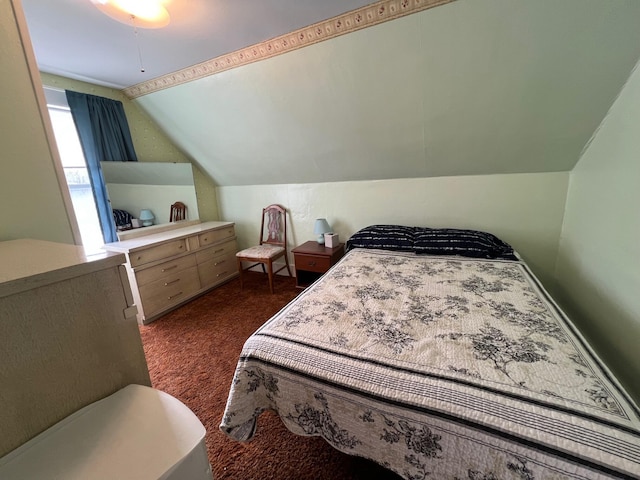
331, 240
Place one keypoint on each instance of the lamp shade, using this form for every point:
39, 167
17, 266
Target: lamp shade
320, 228
147, 217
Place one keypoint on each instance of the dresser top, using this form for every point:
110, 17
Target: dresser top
126, 246
28, 263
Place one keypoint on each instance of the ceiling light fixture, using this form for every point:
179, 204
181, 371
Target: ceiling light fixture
145, 13
137, 13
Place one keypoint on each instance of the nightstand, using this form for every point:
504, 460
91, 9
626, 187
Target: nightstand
312, 260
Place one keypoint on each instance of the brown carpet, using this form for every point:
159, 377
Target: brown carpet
192, 354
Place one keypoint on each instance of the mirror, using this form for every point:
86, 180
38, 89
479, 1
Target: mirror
133, 186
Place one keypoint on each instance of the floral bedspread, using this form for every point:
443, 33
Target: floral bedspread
438, 367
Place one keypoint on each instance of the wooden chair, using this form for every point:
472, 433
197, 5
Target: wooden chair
271, 247
178, 212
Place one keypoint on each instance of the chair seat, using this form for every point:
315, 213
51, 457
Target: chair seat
261, 251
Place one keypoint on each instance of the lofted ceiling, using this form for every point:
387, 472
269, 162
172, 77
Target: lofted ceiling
72, 38
470, 87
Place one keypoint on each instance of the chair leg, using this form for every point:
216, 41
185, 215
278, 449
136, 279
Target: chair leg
263, 270
286, 261
240, 270
270, 267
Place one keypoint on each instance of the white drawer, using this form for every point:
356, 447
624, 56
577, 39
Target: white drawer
214, 236
158, 252
217, 269
219, 250
165, 269
169, 290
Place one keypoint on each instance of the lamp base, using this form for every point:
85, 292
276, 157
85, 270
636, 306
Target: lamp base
320, 239
147, 223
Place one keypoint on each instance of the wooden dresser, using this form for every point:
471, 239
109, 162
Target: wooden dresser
167, 269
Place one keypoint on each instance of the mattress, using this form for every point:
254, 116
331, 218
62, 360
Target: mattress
438, 366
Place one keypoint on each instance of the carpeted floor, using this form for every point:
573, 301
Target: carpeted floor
192, 353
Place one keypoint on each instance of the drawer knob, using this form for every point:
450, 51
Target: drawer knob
312, 264
219, 263
222, 274
171, 297
205, 239
166, 284
169, 268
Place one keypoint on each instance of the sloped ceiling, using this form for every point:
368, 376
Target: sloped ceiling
470, 87
467, 87
74, 39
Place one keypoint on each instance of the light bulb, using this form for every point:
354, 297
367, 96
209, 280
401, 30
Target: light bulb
143, 13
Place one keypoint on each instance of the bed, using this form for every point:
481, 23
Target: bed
438, 354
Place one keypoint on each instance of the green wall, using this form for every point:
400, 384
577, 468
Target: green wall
151, 144
525, 210
32, 204
473, 87
598, 268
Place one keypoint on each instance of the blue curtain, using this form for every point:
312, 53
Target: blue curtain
104, 135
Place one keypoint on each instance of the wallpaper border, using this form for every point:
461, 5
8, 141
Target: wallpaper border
352, 21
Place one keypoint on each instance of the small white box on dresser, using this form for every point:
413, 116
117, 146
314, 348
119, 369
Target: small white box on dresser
331, 240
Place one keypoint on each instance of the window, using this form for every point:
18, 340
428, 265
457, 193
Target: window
75, 171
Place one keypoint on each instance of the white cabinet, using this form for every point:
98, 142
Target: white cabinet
167, 269
68, 334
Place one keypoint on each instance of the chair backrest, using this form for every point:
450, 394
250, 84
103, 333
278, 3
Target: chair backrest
178, 212
274, 217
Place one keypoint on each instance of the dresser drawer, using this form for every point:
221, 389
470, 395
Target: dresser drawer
157, 252
219, 250
169, 290
217, 269
312, 263
214, 236
171, 267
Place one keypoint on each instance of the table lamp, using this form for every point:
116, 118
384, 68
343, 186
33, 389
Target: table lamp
147, 217
320, 228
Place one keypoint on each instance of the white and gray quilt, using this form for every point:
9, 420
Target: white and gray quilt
438, 367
